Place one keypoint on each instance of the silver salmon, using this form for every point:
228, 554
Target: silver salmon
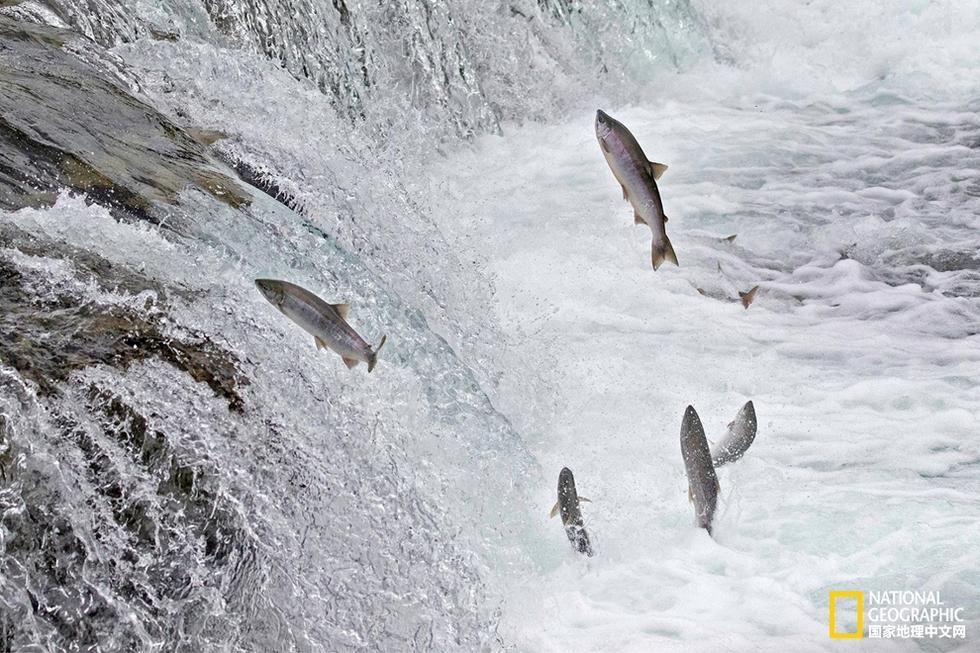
571, 513
740, 435
638, 177
702, 482
327, 323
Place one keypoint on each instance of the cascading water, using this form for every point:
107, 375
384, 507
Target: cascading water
181, 470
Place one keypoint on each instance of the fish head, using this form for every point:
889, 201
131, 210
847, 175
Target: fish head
691, 429
566, 482
272, 290
603, 125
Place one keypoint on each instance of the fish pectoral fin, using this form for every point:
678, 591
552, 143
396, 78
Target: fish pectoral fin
717, 486
350, 362
666, 219
554, 511
731, 238
626, 195
657, 170
319, 343
341, 310
584, 499
690, 495
637, 219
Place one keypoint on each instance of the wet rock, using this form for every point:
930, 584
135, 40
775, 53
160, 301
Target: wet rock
65, 123
47, 336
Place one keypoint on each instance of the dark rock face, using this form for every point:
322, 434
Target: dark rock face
47, 333
75, 127
157, 517
85, 582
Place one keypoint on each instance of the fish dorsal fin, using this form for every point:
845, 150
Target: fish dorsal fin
666, 219
341, 310
690, 494
319, 343
637, 219
731, 238
717, 485
584, 499
351, 362
554, 511
657, 169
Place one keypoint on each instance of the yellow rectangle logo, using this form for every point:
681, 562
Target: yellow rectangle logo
858, 596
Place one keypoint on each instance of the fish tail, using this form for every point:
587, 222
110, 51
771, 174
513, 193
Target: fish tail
373, 358
663, 252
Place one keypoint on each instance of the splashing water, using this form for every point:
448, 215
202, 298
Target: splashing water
179, 470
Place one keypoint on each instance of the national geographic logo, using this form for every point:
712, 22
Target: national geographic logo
858, 597
892, 614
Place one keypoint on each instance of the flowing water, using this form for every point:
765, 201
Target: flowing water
181, 470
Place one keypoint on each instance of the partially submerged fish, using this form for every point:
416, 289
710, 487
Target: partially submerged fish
740, 435
744, 298
571, 514
327, 323
702, 482
638, 177
748, 296
205, 137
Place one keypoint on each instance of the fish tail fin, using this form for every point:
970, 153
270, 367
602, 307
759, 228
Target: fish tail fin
665, 252
373, 358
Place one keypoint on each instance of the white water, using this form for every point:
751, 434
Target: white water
865, 469
864, 370
810, 131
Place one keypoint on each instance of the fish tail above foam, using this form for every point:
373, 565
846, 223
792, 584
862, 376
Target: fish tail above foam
665, 252
740, 436
748, 296
373, 358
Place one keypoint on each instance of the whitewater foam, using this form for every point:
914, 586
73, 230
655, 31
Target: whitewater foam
860, 356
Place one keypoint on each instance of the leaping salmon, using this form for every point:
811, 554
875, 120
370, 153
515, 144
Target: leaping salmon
571, 514
638, 177
702, 482
327, 323
740, 435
